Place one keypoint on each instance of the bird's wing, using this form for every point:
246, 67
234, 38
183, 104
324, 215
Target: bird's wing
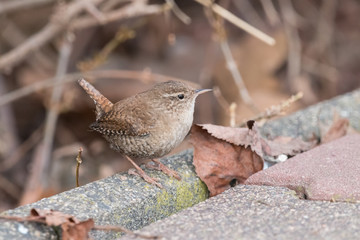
126, 118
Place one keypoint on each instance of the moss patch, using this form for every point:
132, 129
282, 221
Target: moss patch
184, 194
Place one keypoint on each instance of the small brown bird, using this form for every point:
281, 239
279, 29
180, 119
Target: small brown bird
147, 125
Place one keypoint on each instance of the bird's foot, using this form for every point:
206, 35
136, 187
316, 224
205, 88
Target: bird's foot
146, 177
142, 174
161, 167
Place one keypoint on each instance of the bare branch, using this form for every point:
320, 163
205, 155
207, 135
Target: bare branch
231, 64
16, 156
320, 69
78, 163
220, 98
96, 13
62, 18
121, 36
276, 110
116, 74
41, 163
178, 12
13, 35
131, 10
294, 42
51, 119
10, 188
270, 12
237, 21
16, 5
217, 23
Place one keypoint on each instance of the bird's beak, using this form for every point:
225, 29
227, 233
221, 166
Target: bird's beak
201, 91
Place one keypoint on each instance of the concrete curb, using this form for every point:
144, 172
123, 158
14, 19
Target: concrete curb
130, 203
259, 212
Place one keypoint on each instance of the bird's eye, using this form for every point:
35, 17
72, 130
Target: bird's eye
181, 96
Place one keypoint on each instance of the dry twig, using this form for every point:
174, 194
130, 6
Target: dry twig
323, 70
177, 11
14, 36
16, 156
220, 98
51, 119
95, 12
62, 17
275, 110
249, 12
17, 5
237, 21
115, 74
325, 29
231, 64
65, 17
270, 12
122, 35
9, 139
217, 23
78, 163
137, 8
9, 187
294, 42
230, 109
40, 171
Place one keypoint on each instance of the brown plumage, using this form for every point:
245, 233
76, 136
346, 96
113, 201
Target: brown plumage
147, 125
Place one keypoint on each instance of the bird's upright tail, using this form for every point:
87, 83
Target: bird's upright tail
103, 104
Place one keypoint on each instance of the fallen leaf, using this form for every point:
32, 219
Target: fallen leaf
287, 146
338, 129
72, 228
226, 156
221, 164
76, 231
51, 217
263, 147
238, 136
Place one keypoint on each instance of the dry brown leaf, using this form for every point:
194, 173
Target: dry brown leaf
338, 129
221, 164
252, 137
51, 217
239, 136
225, 156
72, 228
287, 145
76, 231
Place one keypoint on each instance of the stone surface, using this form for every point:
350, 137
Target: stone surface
309, 122
130, 203
328, 172
259, 212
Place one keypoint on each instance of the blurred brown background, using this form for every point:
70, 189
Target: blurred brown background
317, 51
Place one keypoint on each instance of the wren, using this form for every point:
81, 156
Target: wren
147, 125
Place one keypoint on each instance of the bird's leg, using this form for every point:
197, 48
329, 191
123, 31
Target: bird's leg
143, 174
163, 168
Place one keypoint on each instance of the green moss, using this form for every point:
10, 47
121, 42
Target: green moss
184, 194
190, 194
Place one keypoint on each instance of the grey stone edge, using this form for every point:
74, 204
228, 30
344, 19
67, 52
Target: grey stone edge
122, 199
